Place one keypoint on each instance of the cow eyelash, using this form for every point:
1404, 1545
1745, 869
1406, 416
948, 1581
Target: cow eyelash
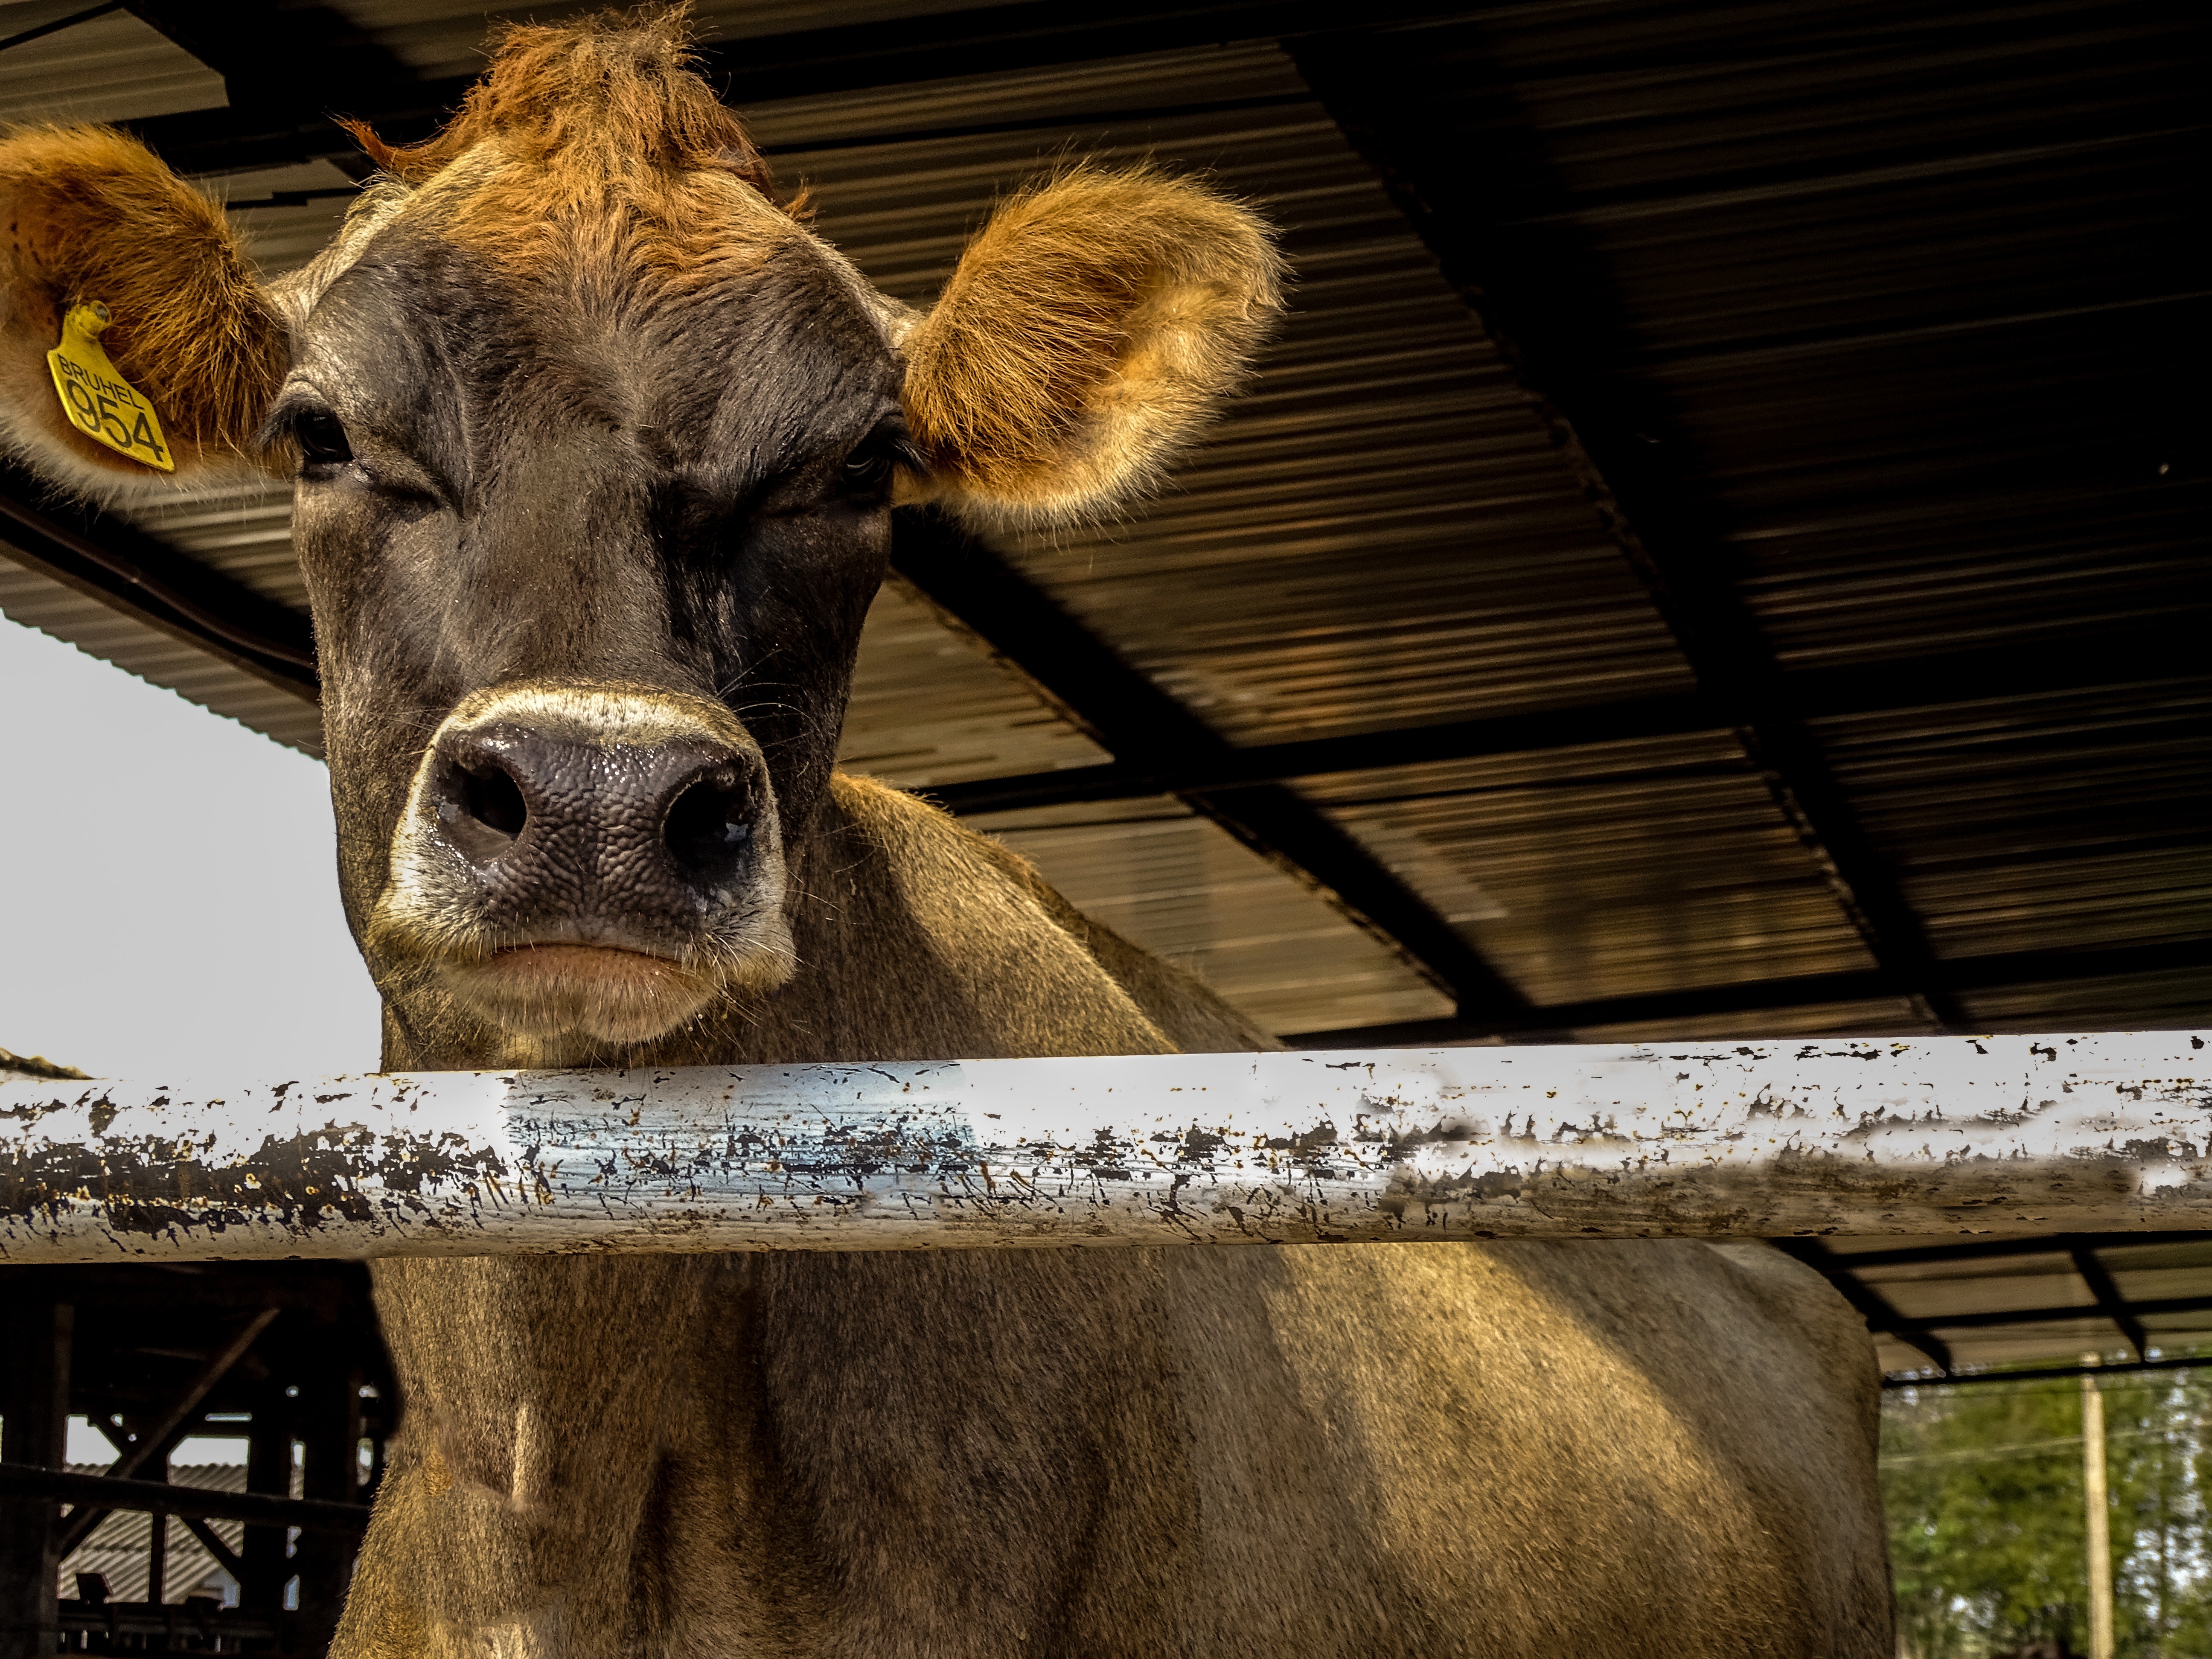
322, 439
317, 434
868, 469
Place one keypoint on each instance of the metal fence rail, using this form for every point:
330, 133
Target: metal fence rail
2105, 1133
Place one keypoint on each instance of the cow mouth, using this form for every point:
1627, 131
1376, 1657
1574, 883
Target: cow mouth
603, 993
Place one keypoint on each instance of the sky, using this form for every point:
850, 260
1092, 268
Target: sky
168, 885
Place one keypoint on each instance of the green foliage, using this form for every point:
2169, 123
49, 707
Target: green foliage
1984, 1491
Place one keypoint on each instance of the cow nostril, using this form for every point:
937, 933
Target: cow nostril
495, 800
710, 824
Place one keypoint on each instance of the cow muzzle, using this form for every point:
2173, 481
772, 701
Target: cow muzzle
595, 863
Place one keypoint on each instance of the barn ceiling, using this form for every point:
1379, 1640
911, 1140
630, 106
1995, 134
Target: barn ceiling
1716, 549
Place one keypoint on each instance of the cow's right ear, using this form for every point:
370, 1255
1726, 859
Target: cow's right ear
94, 220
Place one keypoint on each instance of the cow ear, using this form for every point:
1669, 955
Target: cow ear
94, 222
1090, 331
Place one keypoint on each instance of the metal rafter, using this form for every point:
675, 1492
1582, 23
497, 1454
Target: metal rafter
160, 1439
2121, 658
159, 1497
1987, 1318
1372, 86
276, 117
1988, 1249
1884, 1319
1955, 975
2110, 1302
2048, 1373
2080, 1249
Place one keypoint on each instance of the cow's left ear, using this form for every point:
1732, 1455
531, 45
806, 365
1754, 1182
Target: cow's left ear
1088, 333
94, 222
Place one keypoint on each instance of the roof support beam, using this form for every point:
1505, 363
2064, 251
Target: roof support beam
2131, 658
2047, 1373
1885, 1321
1955, 975
1979, 1319
278, 116
159, 1497
1987, 1249
1134, 717
270, 123
160, 1439
1377, 87
2109, 1301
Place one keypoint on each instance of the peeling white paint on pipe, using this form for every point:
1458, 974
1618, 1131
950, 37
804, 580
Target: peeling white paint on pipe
1934, 1136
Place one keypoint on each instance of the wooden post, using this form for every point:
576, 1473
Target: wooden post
328, 1423
265, 1550
34, 1395
2100, 1529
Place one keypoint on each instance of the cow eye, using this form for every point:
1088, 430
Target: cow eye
322, 439
868, 468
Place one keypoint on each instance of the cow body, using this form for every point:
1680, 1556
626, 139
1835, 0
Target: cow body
597, 447
1607, 1449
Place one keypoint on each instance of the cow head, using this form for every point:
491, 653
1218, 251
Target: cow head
596, 445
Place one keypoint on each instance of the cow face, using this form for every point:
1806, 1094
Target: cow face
595, 447
589, 559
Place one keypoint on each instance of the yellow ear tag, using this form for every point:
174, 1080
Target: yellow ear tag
100, 402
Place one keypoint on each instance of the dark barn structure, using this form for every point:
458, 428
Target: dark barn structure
1717, 550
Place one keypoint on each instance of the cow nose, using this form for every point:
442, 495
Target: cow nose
575, 822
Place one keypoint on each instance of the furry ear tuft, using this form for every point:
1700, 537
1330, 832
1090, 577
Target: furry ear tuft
93, 215
1090, 329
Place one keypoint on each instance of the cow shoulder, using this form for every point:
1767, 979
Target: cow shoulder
947, 947
1196, 1018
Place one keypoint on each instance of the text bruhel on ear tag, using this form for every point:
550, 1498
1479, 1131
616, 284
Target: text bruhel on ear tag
99, 401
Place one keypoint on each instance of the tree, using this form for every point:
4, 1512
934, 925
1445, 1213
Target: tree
1983, 1486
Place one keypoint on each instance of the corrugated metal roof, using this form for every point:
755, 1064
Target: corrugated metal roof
1933, 1291
1380, 531
1607, 870
95, 627
929, 705
113, 68
2060, 822
1892, 292
1336, 558
441, 39
117, 1548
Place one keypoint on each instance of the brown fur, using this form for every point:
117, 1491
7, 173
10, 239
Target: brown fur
1091, 326
610, 93
1509, 1450
92, 214
594, 147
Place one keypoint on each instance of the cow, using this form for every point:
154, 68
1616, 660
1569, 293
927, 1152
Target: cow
597, 446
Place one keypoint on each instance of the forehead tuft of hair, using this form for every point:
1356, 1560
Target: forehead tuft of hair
614, 91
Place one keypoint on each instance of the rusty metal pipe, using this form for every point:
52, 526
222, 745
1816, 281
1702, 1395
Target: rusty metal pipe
1937, 1135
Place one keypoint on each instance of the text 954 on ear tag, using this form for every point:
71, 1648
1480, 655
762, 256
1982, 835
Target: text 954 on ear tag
99, 401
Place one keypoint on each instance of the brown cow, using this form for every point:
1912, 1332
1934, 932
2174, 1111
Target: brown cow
596, 448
